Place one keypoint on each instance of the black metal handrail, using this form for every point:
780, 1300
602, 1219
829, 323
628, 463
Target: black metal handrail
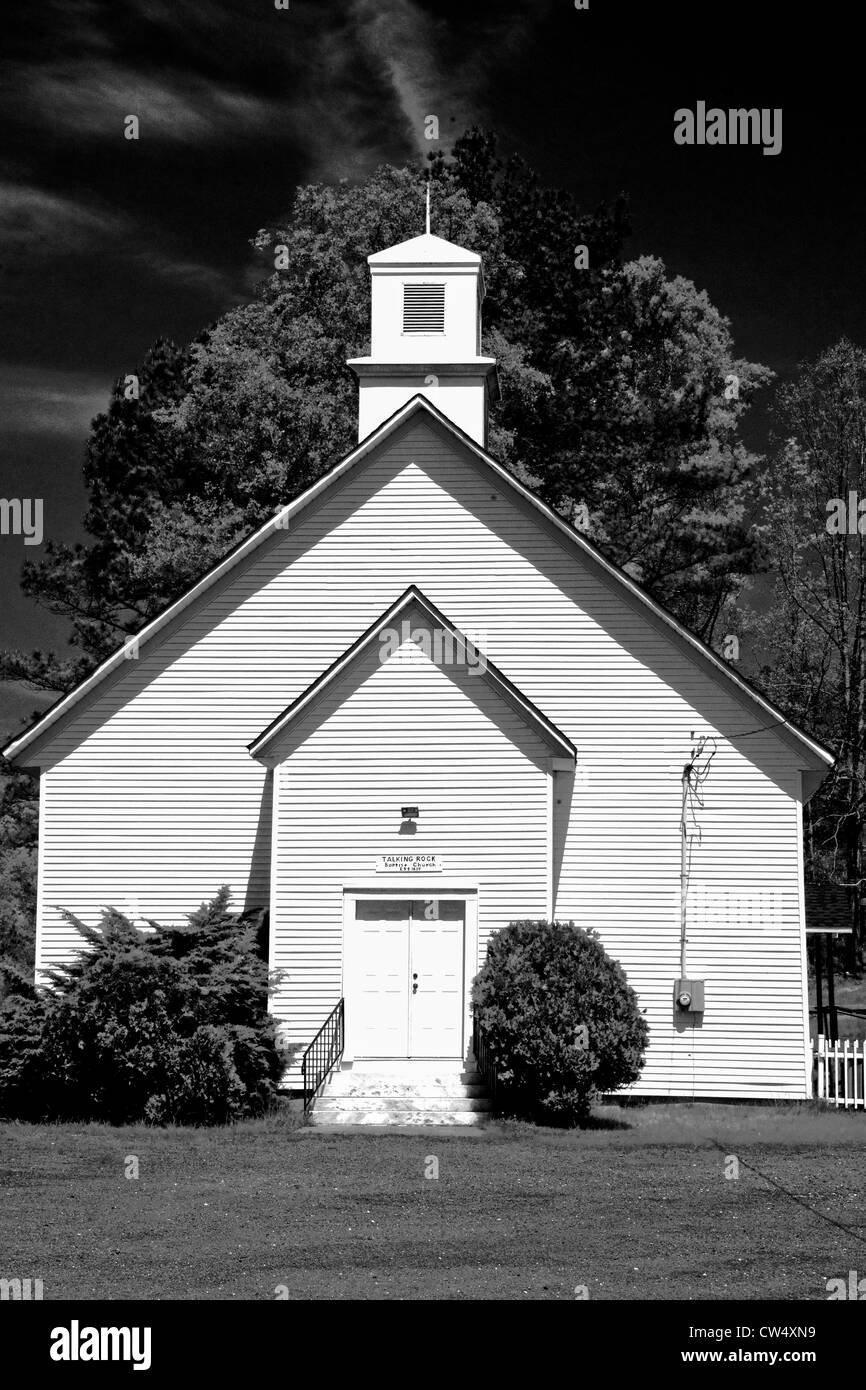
323, 1054
484, 1058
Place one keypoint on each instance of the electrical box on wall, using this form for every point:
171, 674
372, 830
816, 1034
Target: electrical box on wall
689, 996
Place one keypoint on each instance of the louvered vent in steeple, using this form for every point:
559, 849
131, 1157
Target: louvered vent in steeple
423, 308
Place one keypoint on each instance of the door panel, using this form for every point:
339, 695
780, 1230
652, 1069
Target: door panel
381, 1017
436, 964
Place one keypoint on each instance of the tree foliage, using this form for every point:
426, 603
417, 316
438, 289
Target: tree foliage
807, 646
19, 825
165, 1028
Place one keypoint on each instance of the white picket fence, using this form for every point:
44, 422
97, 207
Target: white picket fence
840, 1072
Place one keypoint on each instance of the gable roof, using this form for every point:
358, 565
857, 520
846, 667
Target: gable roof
424, 250
816, 756
413, 600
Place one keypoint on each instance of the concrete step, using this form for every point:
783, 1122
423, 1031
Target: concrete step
331, 1119
467, 1076
388, 1104
403, 1093
348, 1084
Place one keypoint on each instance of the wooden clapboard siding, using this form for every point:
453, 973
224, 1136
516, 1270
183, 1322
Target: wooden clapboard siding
148, 787
390, 734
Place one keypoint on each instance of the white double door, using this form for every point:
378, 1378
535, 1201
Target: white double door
408, 993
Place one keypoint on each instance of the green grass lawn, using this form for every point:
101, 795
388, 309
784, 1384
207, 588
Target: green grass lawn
637, 1207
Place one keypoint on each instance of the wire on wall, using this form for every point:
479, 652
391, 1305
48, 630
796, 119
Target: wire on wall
695, 773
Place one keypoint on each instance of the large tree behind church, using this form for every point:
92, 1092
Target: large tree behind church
621, 400
807, 646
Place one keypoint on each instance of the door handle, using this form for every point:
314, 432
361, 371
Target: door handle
415, 984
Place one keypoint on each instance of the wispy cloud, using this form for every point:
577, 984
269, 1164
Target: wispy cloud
425, 71
29, 215
36, 224
184, 107
208, 280
401, 42
37, 400
325, 77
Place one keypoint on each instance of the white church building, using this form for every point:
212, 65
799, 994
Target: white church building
416, 706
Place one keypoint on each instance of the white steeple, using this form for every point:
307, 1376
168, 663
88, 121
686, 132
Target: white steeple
426, 335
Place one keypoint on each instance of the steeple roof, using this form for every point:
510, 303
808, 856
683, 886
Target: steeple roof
424, 250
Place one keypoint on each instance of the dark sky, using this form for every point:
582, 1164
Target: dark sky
109, 243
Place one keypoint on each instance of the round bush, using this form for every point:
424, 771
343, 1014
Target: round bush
562, 1021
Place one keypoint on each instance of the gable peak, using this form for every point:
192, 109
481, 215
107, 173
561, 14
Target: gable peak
425, 250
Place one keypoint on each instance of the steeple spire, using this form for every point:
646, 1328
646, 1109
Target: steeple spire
425, 334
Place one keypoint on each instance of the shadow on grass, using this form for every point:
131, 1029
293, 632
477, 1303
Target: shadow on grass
282, 1118
605, 1122
594, 1122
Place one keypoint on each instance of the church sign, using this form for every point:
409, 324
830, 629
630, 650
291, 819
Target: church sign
409, 864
